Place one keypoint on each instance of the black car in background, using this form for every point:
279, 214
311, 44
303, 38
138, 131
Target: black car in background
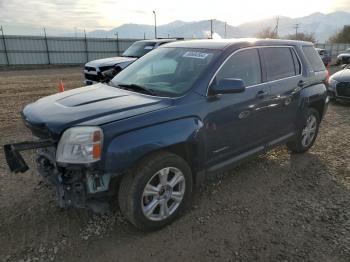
339, 84
93, 70
325, 56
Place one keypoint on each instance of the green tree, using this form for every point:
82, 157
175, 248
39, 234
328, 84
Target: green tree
341, 37
309, 37
267, 33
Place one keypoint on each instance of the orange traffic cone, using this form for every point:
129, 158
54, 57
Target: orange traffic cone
61, 87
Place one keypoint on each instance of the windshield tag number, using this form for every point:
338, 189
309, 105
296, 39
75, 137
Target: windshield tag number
193, 54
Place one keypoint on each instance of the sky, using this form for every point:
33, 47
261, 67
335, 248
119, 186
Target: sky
71, 15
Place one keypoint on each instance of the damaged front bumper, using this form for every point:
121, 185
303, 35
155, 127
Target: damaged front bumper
14, 159
75, 185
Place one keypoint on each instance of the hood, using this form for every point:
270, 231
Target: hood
342, 76
95, 105
110, 61
343, 55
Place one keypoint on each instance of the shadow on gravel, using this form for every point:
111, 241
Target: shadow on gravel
274, 207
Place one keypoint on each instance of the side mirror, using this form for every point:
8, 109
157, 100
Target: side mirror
228, 86
109, 74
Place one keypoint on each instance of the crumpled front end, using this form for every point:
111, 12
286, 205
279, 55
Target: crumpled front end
75, 185
81, 186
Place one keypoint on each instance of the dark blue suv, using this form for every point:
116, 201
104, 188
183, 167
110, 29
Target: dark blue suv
174, 116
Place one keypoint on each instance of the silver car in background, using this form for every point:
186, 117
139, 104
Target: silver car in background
339, 85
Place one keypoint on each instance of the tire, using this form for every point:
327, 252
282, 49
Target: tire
140, 206
300, 144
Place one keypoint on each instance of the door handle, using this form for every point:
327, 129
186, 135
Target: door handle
301, 83
262, 94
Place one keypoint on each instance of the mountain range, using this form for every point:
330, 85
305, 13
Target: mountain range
321, 25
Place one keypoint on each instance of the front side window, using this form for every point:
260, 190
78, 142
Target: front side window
167, 71
279, 63
244, 65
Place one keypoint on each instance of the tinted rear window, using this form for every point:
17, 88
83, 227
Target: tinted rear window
279, 63
314, 59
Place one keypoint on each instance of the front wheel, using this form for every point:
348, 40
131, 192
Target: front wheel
156, 192
306, 137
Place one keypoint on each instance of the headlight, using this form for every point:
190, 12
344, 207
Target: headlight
333, 83
79, 145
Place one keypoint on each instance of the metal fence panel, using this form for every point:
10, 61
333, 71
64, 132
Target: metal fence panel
22, 43
334, 49
29, 50
59, 58
27, 58
35, 50
3, 60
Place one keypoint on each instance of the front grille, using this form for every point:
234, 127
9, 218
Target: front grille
95, 78
343, 89
90, 69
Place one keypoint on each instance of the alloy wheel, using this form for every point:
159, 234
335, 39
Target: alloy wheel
163, 193
309, 131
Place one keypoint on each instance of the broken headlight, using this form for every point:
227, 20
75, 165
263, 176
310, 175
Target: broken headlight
80, 145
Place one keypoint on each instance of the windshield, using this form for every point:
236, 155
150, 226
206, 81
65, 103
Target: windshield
139, 49
166, 71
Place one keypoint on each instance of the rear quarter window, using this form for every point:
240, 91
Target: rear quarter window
313, 58
279, 63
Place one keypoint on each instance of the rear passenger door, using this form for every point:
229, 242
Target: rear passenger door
283, 74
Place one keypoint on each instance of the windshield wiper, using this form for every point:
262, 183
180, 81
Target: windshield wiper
139, 88
131, 56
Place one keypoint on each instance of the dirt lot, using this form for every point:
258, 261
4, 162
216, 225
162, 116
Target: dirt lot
276, 207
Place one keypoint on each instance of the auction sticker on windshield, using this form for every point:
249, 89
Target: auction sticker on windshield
193, 54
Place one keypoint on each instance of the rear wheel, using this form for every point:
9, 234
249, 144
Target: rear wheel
307, 135
157, 192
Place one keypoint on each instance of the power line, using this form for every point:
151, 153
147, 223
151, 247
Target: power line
275, 31
296, 27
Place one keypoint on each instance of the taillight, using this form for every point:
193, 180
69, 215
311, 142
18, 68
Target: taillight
327, 78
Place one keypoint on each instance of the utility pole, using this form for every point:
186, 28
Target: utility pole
225, 29
47, 48
155, 24
86, 47
275, 31
117, 35
211, 28
296, 27
144, 35
5, 48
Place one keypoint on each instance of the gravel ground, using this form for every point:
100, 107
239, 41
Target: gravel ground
275, 207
